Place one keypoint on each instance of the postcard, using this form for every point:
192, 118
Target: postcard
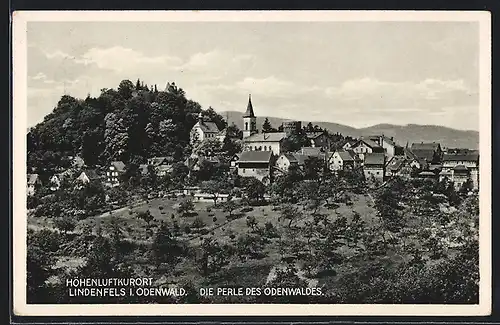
251, 163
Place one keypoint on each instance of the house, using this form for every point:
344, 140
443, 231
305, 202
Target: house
349, 143
412, 160
364, 146
257, 164
144, 169
33, 183
88, 176
428, 153
115, 170
460, 167
343, 160
233, 163
194, 162
397, 166
204, 129
385, 142
374, 166
265, 142
162, 165
318, 139
285, 160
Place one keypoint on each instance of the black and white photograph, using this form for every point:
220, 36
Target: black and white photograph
266, 160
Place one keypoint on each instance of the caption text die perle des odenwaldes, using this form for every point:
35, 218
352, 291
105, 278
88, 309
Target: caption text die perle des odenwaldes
118, 287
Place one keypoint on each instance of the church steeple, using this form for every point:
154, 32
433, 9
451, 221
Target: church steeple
249, 111
249, 120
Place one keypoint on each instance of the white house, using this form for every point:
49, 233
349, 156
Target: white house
205, 129
343, 160
33, 182
364, 146
285, 160
459, 168
115, 170
265, 142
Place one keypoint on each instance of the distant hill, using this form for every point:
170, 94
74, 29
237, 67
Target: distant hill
447, 137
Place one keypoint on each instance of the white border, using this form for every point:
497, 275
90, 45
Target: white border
20, 20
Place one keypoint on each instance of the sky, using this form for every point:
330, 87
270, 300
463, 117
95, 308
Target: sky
353, 73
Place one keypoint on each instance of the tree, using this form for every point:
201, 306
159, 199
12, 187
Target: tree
125, 89
215, 189
254, 189
230, 206
185, 207
251, 222
289, 213
65, 224
266, 126
145, 216
213, 256
165, 247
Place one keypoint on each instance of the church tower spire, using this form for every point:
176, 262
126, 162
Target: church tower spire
249, 120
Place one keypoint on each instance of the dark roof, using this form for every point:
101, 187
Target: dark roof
424, 154
119, 165
249, 111
314, 135
290, 157
395, 163
345, 155
91, 173
266, 137
255, 156
208, 127
374, 159
370, 143
425, 146
300, 158
32, 178
471, 156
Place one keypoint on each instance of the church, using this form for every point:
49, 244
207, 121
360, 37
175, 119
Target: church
205, 129
255, 141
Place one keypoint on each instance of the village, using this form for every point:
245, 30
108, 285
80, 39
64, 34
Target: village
264, 157
293, 206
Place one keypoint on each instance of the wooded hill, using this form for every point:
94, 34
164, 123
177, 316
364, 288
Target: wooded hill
130, 124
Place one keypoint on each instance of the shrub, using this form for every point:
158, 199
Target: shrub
214, 219
160, 207
198, 223
187, 229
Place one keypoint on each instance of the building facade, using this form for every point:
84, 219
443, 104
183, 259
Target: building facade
374, 166
257, 164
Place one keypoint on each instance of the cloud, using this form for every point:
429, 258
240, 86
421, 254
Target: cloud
427, 94
121, 59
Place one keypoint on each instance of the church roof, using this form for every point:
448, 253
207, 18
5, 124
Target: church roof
266, 137
208, 127
249, 112
255, 156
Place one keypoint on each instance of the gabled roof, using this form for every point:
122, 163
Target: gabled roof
290, 157
91, 174
346, 155
119, 165
300, 158
208, 127
471, 156
425, 146
424, 154
314, 135
374, 159
395, 163
249, 111
32, 178
370, 143
256, 156
266, 137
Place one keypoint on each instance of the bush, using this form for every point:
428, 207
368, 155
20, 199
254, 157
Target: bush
209, 209
246, 209
214, 219
187, 229
160, 207
198, 223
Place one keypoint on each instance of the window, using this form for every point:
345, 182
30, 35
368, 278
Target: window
243, 170
246, 126
378, 173
265, 148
